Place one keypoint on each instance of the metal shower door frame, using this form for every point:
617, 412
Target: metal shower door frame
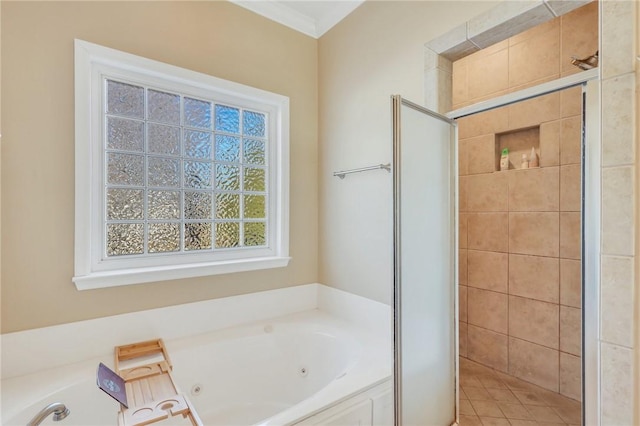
396, 103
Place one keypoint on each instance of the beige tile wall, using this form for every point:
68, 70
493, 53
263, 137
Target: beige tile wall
520, 284
618, 278
540, 54
520, 244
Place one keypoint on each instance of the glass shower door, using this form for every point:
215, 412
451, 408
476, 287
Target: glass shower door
425, 223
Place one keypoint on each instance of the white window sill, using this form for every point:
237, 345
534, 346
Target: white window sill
144, 275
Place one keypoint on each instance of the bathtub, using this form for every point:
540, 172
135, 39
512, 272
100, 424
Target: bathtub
270, 372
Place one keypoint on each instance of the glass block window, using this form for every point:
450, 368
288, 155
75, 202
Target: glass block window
178, 174
182, 173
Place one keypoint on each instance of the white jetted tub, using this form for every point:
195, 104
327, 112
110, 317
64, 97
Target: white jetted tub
271, 372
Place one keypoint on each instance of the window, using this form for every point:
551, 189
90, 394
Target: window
178, 174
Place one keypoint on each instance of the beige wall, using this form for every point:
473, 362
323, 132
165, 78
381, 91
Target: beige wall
216, 38
375, 52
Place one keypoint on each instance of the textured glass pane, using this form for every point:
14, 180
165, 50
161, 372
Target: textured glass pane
254, 152
163, 204
163, 139
125, 169
197, 205
163, 107
254, 206
254, 179
227, 119
227, 206
227, 234
227, 148
164, 172
125, 238
197, 113
197, 144
125, 99
126, 135
197, 236
164, 237
124, 204
253, 124
255, 234
197, 174
227, 177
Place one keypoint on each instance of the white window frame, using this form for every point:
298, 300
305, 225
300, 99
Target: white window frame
94, 63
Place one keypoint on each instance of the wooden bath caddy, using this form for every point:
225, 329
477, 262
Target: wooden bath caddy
152, 395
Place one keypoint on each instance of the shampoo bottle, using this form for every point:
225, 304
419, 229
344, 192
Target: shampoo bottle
525, 162
504, 160
533, 158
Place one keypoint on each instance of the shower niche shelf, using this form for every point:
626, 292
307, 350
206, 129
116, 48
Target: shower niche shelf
518, 142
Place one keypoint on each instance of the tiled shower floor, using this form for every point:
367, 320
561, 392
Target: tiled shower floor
489, 397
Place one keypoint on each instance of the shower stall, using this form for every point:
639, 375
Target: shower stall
494, 268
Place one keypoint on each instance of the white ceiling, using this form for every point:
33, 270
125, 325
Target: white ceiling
311, 17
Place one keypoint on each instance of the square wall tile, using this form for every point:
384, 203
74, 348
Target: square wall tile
550, 143
460, 92
534, 111
534, 233
617, 296
534, 277
571, 102
488, 231
536, 57
534, 321
488, 73
481, 155
571, 188
571, 140
534, 32
571, 330
487, 192
534, 363
488, 270
463, 157
484, 123
462, 230
617, 56
618, 120
488, 51
571, 283
462, 303
571, 376
462, 345
570, 235
616, 398
487, 309
579, 35
534, 190
462, 193
617, 210
462, 267
487, 347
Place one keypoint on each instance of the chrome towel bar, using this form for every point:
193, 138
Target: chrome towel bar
341, 174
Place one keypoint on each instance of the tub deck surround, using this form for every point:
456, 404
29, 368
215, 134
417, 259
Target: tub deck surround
341, 359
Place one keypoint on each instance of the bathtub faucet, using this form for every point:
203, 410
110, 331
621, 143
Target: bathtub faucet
57, 408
